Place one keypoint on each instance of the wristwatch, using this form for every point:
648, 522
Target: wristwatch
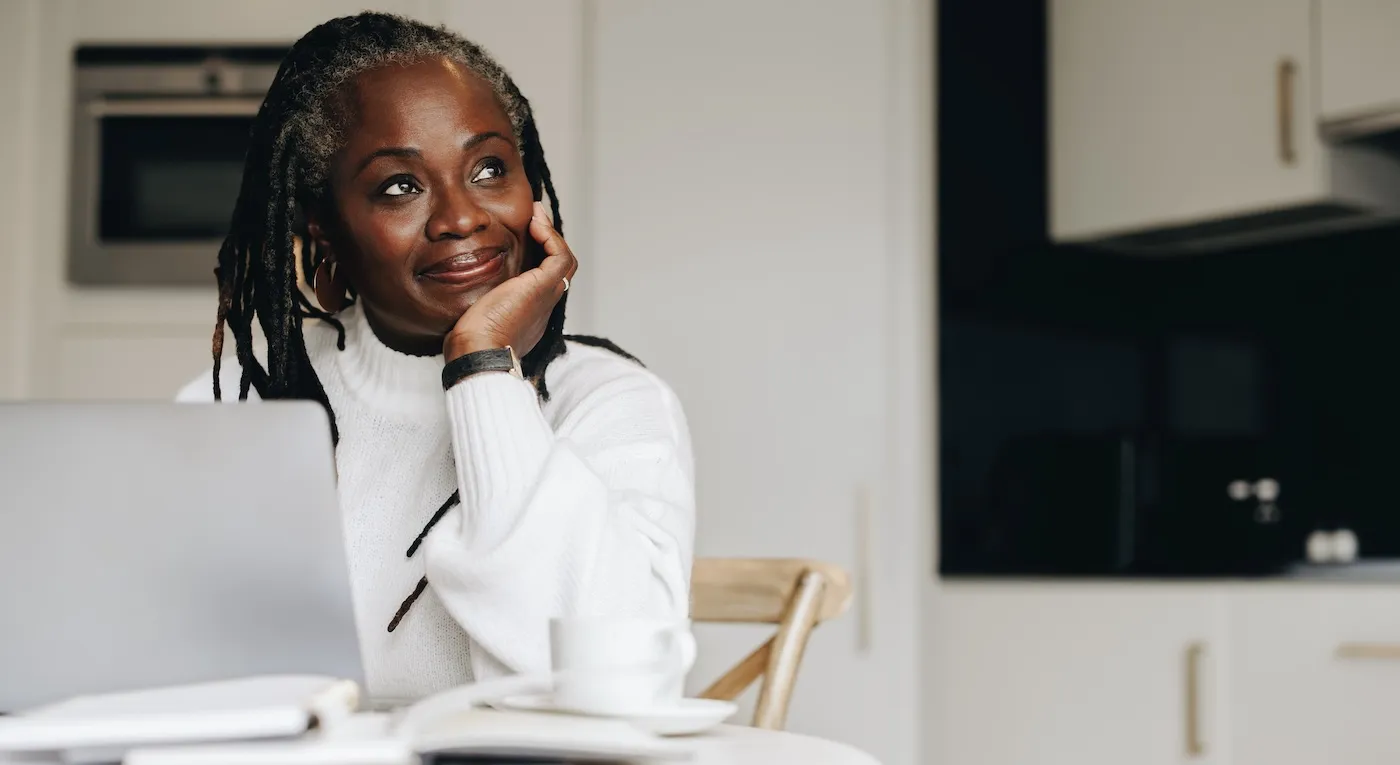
489, 360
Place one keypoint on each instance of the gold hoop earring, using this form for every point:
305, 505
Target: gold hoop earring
329, 285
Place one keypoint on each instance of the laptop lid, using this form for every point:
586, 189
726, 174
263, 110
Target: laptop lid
149, 544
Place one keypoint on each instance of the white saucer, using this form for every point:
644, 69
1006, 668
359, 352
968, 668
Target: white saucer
682, 717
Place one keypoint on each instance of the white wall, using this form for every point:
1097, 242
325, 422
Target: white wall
760, 187
18, 89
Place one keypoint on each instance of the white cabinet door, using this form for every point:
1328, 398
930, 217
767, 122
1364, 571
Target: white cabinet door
1175, 112
1359, 58
741, 188
1296, 701
1041, 674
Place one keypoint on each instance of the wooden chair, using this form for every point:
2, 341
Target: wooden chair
794, 594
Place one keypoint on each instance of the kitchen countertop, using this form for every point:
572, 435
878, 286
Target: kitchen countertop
1360, 571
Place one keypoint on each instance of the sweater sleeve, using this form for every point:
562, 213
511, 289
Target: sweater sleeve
592, 517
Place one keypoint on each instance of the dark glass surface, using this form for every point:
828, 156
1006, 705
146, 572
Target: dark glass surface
169, 178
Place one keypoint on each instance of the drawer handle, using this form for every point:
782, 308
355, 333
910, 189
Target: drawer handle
1369, 651
1287, 71
1195, 747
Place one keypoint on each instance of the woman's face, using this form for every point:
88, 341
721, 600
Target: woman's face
430, 204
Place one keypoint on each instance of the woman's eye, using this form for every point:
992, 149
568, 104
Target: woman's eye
491, 168
400, 187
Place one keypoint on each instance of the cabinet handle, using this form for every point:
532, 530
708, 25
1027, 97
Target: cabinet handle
1287, 73
865, 551
1195, 747
1384, 651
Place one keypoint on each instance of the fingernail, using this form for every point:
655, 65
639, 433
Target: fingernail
540, 212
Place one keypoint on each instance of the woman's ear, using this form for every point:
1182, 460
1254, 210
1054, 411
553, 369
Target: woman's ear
328, 278
317, 235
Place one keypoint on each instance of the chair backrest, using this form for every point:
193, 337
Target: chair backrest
793, 593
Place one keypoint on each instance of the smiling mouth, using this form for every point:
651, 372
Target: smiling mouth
467, 269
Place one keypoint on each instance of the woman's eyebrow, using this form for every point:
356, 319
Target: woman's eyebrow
483, 137
387, 151
412, 153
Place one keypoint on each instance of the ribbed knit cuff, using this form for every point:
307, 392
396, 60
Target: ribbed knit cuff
501, 441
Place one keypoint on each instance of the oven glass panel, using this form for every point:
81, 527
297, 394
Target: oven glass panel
169, 178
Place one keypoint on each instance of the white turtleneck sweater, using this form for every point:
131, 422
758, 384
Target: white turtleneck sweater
583, 505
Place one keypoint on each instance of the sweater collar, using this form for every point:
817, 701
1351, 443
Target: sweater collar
382, 376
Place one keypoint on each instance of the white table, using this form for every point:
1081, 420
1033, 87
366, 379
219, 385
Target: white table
726, 745
738, 745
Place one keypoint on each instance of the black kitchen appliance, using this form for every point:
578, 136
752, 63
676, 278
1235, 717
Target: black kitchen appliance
1135, 504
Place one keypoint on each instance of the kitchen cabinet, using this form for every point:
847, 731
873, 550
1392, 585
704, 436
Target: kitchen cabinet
1167, 114
1315, 674
1244, 673
1088, 675
1359, 65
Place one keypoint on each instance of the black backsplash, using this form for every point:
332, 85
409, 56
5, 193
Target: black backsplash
1288, 344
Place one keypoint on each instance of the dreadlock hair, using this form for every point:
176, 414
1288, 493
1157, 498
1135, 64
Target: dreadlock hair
298, 128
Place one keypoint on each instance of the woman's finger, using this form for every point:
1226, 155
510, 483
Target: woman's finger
555, 270
559, 262
544, 233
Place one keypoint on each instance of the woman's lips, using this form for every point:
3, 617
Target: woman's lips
467, 269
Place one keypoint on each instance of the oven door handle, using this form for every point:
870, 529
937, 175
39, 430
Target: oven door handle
174, 107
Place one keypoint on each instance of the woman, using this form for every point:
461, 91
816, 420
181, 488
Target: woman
492, 474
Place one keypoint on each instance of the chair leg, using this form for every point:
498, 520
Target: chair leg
786, 657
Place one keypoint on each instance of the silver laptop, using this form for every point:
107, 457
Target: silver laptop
148, 544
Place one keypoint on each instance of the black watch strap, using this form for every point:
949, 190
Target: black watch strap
490, 360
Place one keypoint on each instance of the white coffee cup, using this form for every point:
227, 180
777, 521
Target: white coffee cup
619, 666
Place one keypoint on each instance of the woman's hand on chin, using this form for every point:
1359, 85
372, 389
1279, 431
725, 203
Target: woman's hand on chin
516, 312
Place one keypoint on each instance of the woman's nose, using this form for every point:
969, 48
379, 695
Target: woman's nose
456, 216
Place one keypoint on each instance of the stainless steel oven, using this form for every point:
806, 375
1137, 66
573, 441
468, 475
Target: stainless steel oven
159, 136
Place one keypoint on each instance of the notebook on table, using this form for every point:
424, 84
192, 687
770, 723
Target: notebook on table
102, 727
308, 720
473, 735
